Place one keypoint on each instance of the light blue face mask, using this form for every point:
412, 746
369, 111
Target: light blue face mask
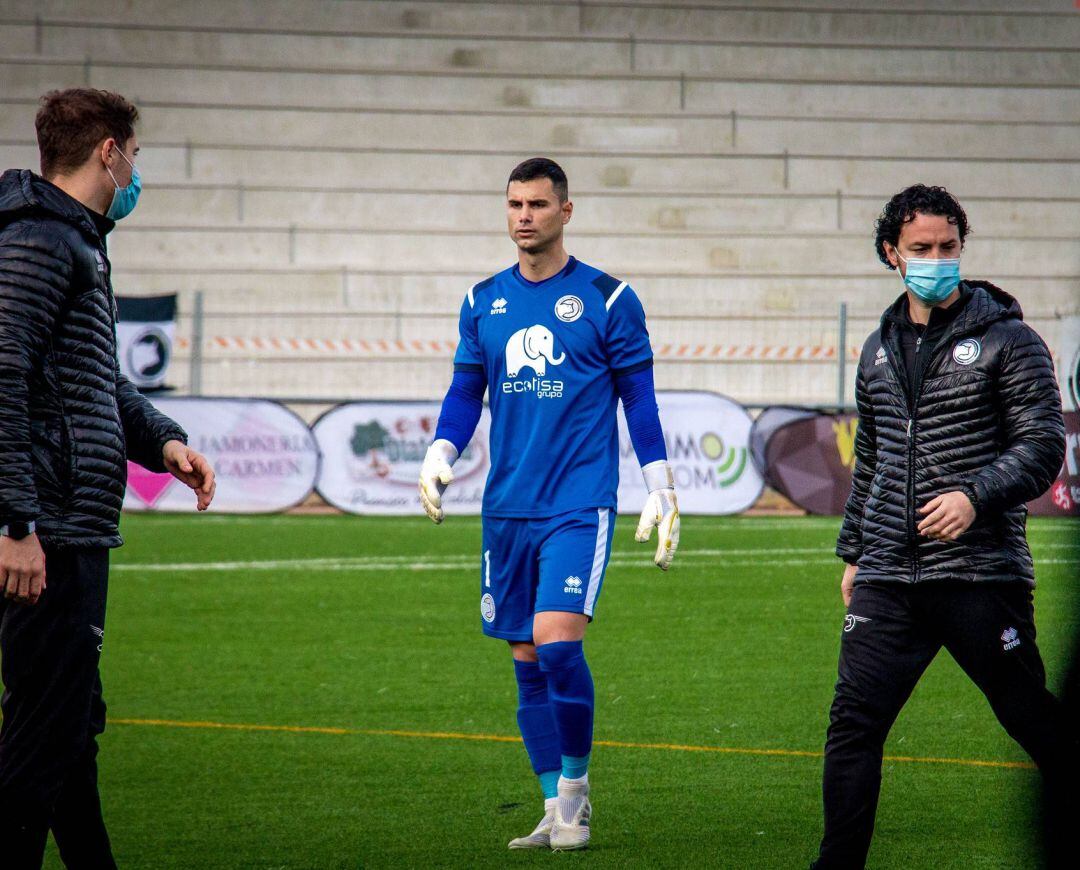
124, 198
931, 280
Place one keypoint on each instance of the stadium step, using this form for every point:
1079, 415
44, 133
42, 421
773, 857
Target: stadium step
1018, 100
482, 211
811, 294
1041, 22
939, 61
739, 133
758, 253
667, 174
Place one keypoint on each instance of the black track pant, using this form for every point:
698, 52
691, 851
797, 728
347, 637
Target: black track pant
53, 712
891, 635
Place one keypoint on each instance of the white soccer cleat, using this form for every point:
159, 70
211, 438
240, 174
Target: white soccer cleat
540, 838
435, 475
661, 511
570, 830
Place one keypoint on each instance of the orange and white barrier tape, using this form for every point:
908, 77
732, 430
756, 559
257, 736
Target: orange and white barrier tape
755, 352
382, 348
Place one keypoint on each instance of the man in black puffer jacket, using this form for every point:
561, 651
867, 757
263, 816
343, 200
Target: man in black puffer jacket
68, 422
960, 425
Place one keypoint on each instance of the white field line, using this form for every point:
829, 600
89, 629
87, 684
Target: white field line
462, 563
414, 565
729, 525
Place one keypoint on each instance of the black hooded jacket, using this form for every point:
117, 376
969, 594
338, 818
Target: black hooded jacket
983, 416
68, 418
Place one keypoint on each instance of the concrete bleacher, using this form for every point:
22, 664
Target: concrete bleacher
334, 169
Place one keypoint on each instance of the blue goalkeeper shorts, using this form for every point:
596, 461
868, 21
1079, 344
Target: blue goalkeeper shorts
529, 566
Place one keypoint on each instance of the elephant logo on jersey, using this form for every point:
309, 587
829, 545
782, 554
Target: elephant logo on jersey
533, 348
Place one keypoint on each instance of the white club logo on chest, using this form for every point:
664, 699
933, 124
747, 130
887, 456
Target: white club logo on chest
569, 308
966, 352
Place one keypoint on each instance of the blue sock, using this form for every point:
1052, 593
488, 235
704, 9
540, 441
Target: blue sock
575, 767
549, 783
570, 690
538, 726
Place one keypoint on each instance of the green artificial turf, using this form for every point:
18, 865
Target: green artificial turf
373, 624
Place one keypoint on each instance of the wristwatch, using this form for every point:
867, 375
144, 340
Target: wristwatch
17, 530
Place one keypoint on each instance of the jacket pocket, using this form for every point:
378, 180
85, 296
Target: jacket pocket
68, 451
51, 455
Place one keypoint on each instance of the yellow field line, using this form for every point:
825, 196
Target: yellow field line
501, 738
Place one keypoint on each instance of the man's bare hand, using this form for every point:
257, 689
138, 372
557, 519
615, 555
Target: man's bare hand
947, 517
192, 469
847, 584
22, 569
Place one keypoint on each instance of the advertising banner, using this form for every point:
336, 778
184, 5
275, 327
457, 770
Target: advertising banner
708, 445
1069, 362
145, 333
765, 424
372, 453
1063, 497
264, 457
810, 461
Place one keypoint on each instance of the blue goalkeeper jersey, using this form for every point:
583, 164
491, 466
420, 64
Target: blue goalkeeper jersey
551, 352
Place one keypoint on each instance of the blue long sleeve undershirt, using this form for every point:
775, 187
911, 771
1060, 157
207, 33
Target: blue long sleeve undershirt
465, 400
461, 408
638, 394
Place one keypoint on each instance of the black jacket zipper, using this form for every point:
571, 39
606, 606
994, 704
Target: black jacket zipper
913, 414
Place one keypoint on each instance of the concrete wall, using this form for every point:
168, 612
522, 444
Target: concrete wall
332, 170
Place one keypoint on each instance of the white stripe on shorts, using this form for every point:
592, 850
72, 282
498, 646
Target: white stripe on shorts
598, 559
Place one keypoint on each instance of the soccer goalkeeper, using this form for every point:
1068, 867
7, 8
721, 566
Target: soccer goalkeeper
556, 343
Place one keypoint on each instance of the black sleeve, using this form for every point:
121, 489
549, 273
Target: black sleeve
1033, 429
146, 429
35, 271
849, 544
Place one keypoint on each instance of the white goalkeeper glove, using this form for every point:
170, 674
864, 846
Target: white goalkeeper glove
661, 510
435, 474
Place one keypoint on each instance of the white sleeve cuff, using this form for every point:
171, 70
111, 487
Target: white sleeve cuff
658, 475
442, 447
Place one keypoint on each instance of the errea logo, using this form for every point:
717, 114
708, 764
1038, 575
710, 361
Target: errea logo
498, 306
880, 358
573, 586
1010, 639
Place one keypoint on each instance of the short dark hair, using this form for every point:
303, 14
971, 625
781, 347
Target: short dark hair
902, 208
70, 123
542, 167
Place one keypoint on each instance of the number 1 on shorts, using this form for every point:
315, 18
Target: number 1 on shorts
487, 569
